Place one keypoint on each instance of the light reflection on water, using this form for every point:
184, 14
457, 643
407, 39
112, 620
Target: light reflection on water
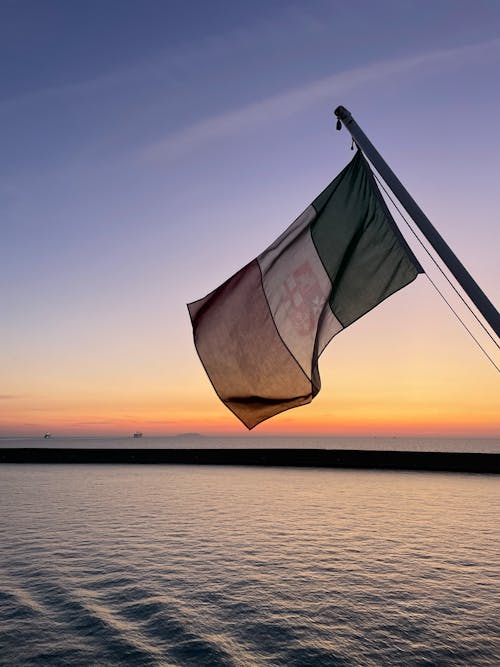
192, 565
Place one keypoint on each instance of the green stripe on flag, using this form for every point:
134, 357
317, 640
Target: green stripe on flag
355, 237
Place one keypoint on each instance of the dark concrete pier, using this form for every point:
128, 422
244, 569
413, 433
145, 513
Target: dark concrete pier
305, 458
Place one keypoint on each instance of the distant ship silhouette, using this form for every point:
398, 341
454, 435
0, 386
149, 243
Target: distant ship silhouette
137, 434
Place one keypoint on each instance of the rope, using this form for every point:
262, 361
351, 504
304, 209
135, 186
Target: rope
447, 280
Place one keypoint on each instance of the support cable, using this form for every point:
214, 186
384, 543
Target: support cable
379, 181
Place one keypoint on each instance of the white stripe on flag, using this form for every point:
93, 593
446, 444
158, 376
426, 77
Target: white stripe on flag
297, 288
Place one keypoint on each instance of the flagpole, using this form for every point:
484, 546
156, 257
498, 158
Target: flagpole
469, 285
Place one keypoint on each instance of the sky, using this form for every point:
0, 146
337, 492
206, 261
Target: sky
151, 149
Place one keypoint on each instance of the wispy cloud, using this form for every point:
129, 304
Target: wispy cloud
170, 65
293, 101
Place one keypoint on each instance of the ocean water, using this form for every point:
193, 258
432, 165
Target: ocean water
195, 440
193, 565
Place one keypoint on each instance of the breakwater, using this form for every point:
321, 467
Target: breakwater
313, 458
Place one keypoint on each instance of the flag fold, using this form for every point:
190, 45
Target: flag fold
260, 334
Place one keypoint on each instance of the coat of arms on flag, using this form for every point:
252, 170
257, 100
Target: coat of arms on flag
303, 298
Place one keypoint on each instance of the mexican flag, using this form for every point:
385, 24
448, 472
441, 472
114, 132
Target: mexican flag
260, 334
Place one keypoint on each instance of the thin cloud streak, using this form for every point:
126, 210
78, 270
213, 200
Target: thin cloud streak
166, 63
289, 103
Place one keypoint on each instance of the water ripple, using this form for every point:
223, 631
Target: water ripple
187, 565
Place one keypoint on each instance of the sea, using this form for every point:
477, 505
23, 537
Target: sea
173, 565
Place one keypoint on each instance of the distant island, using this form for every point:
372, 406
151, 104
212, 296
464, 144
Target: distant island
139, 434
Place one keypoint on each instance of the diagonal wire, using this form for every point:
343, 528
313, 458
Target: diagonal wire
462, 322
467, 305
448, 281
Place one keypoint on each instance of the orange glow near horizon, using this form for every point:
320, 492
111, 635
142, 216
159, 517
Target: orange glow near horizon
459, 401
382, 377
322, 418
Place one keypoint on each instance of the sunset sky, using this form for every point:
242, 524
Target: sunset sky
151, 149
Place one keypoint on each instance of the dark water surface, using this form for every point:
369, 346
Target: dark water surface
193, 565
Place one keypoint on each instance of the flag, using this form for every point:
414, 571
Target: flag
260, 334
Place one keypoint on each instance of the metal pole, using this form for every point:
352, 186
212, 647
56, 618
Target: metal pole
469, 285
